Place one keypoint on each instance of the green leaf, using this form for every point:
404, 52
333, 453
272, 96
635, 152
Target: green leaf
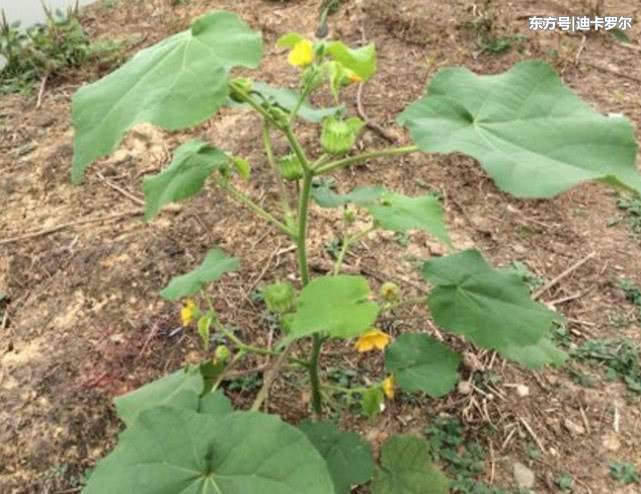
348, 456
182, 389
421, 363
216, 264
289, 40
537, 355
336, 305
325, 197
372, 400
193, 162
287, 100
491, 307
171, 451
177, 83
406, 468
362, 60
532, 134
401, 213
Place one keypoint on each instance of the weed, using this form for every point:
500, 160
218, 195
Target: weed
522, 271
624, 472
565, 482
632, 207
620, 357
632, 294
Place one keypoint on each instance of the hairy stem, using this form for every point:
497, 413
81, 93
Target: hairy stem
347, 243
269, 151
359, 158
247, 202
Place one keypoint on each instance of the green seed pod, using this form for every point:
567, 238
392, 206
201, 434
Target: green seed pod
338, 136
222, 353
243, 84
390, 292
279, 297
290, 168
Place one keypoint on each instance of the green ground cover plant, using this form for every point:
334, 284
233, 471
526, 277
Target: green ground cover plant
532, 135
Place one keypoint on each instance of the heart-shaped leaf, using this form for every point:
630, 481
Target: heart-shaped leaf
406, 468
401, 213
491, 307
532, 134
193, 162
336, 305
348, 456
169, 450
287, 100
362, 61
325, 197
421, 363
175, 84
182, 389
216, 264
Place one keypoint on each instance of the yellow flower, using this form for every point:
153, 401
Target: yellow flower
188, 312
374, 338
388, 387
302, 54
354, 77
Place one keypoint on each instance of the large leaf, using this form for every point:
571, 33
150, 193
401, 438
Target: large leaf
182, 389
491, 307
287, 100
537, 355
216, 264
170, 451
406, 468
336, 305
360, 60
184, 177
348, 456
325, 197
533, 135
392, 211
421, 363
175, 84
401, 213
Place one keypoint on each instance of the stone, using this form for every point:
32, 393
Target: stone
524, 477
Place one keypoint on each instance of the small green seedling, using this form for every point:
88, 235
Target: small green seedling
532, 135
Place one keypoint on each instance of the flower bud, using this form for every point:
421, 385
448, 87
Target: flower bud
290, 168
390, 292
338, 136
222, 353
279, 297
242, 83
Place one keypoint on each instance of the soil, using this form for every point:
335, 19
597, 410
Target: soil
84, 323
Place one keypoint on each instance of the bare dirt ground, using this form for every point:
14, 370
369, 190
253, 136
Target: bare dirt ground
84, 322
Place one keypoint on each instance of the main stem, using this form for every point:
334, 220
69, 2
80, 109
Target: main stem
301, 248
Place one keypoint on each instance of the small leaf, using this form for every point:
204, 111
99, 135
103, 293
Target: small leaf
182, 389
193, 162
325, 197
421, 363
242, 166
361, 61
336, 305
401, 213
170, 451
406, 468
210, 372
216, 264
491, 307
372, 401
534, 356
289, 40
532, 134
348, 456
287, 100
175, 84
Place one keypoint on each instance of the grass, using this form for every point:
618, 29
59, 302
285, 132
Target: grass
632, 294
464, 461
632, 207
49, 49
